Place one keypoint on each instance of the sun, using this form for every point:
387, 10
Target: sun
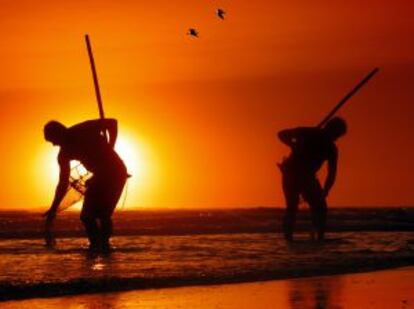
135, 154
128, 151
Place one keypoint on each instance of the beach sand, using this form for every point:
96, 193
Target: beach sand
381, 289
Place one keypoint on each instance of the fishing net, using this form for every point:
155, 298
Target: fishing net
77, 186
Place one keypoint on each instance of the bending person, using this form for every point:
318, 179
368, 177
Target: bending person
87, 143
311, 147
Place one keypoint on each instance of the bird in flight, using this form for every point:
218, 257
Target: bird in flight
192, 32
220, 13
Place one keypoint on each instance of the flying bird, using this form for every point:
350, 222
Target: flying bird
220, 13
192, 32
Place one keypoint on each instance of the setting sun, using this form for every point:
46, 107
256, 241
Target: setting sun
138, 164
129, 153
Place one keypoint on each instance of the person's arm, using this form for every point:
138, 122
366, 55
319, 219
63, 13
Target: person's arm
332, 168
61, 188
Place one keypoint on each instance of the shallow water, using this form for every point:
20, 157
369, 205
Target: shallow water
28, 269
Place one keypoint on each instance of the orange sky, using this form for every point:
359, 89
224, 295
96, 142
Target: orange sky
201, 114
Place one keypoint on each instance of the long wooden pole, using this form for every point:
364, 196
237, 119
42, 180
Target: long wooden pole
347, 97
95, 77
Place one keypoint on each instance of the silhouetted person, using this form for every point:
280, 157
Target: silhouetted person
86, 142
311, 147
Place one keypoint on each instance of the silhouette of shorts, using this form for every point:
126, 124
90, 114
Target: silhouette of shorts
102, 195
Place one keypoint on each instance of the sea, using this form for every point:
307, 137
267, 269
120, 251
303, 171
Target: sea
170, 248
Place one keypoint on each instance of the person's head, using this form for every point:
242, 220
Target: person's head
335, 128
54, 132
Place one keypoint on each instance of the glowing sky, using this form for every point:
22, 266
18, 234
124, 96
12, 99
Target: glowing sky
200, 115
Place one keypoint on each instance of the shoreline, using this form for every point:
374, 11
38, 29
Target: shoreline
391, 288
82, 286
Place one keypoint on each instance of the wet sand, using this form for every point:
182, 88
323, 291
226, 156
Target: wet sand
381, 289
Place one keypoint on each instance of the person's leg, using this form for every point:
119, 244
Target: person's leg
88, 217
92, 231
313, 194
291, 194
113, 193
106, 232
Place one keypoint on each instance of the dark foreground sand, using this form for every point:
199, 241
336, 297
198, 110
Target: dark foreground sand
381, 289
